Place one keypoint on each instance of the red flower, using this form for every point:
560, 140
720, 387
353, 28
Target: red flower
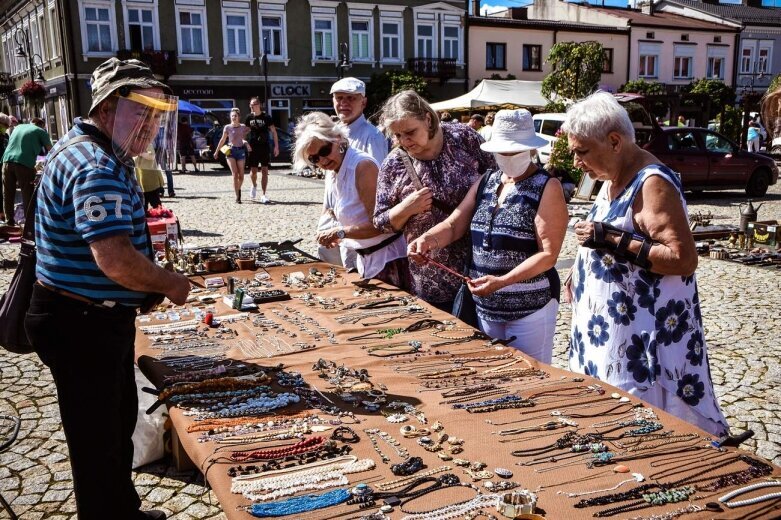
32, 89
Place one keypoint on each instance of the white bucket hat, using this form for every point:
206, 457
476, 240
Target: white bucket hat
513, 132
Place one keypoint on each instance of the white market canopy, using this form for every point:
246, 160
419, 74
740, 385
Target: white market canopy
497, 93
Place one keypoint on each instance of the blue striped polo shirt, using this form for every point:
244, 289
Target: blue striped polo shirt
86, 195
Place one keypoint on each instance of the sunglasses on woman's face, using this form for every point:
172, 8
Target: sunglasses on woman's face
324, 151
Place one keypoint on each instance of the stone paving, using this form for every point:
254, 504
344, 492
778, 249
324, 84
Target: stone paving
740, 307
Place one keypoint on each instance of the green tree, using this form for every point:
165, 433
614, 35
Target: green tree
384, 85
775, 84
648, 88
720, 94
730, 122
577, 69
562, 159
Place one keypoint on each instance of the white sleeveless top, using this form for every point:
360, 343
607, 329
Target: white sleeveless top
350, 211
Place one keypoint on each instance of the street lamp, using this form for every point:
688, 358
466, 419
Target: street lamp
344, 61
24, 50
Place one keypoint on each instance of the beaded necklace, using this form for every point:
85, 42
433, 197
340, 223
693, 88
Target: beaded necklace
756, 500
301, 504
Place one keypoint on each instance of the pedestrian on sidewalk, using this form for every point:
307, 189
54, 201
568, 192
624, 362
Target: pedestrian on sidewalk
636, 318
261, 127
235, 133
26, 143
353, 181
184, 138
95, 271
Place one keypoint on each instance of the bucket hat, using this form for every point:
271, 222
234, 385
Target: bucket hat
114, 74
513, 132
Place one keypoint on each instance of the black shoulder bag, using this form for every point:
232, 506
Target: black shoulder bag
16, 300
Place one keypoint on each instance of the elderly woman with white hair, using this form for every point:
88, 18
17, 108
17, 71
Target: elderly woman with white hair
351, 182
636, 318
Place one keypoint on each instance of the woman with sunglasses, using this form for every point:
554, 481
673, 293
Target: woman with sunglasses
351, 181
235, 133
517, 219
420, 184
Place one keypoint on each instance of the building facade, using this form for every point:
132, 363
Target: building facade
504, 46
758, 50
33, 49
663, 47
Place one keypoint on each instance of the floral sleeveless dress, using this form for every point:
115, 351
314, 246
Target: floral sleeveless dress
637, 330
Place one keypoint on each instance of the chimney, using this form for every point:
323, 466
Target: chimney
519, 13
647, 8
475, 7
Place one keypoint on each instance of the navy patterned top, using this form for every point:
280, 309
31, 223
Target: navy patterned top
502, 238
449, 176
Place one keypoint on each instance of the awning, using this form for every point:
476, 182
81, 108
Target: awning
493, 93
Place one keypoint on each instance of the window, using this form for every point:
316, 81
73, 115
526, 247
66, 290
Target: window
650, 35
391, 44
647, 66
54, 40
747, 59
98, 29
35, 39
324, 39
715, 68
684, 37
191, 33
532, 57
495, 56
716, 143
682, 142
607, 64
550, 127
717, 39
360, 40
219, 107
271, 36
140, 29
682, 67
450, 42
764, 57
425, 41
236, 34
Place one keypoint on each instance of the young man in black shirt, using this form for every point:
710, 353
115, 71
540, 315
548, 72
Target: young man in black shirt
260, 125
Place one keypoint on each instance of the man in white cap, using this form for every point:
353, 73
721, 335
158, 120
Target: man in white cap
349, 96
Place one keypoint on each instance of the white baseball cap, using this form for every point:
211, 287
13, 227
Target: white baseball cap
349, 86
513, 132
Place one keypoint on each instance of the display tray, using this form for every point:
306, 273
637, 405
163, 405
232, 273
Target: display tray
402, 378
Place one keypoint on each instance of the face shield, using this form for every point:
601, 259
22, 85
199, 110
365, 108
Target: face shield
145, 123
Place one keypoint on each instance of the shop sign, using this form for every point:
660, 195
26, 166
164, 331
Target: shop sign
290, 90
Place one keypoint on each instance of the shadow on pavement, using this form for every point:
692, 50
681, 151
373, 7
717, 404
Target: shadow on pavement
199, 233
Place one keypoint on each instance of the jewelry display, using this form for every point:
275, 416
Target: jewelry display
691, 508
375, 435
459, 510
726, 499
401, 482
517, 503
636, 477
300, 504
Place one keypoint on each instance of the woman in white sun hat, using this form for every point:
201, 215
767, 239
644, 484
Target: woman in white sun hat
517, 219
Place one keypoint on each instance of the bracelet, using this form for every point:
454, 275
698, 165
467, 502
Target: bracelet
726, 498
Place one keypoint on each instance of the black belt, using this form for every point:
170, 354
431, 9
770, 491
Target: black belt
376, 247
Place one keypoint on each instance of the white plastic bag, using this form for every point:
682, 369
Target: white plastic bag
148, 435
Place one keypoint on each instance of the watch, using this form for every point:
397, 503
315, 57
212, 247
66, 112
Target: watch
340, 234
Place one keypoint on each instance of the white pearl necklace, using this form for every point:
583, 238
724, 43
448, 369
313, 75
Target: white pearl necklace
458, 510
740, 503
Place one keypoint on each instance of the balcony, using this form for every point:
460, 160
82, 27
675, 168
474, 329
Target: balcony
161, 62
441, 68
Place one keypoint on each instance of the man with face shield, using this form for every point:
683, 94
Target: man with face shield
517, 219
94, 272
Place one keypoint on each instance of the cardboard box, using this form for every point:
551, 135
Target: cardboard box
161, 229
765, 232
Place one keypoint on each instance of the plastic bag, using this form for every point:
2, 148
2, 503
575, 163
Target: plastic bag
148, 435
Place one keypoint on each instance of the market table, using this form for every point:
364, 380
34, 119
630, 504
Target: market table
406, 378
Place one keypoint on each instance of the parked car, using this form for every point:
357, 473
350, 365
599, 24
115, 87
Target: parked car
285, 148
706, 160
546, 125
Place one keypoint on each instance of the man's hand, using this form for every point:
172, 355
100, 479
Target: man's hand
179, 289
276, 150
328, 238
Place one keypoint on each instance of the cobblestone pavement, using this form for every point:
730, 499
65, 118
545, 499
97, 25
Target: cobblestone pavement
740, 305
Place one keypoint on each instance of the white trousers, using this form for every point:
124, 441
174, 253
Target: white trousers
533, 334
753, 144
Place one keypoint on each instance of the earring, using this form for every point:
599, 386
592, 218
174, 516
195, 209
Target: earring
342, 148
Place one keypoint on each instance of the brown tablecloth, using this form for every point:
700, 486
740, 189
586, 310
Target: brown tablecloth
481, 443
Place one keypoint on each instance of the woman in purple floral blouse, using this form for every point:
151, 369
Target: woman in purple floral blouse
448, 160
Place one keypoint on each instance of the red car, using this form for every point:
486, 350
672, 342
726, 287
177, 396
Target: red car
706, 160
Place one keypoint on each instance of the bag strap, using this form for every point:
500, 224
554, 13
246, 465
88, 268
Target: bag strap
28, 233
405, 157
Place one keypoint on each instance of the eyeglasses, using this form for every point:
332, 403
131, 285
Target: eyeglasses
324, 151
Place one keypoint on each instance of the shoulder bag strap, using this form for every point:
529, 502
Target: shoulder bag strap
28, 233
410, 169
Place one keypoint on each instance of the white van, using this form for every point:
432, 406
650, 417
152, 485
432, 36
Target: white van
546, 125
